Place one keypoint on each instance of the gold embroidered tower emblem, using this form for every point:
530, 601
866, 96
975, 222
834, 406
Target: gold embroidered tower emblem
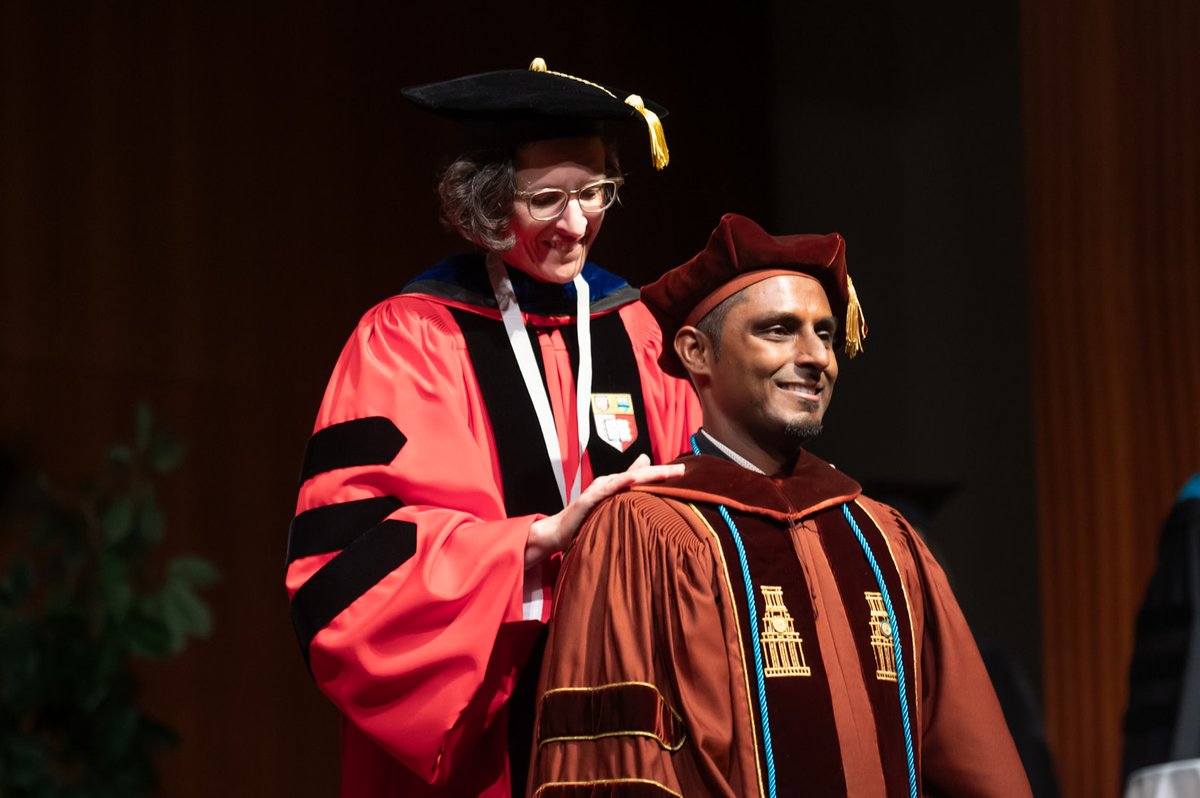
881, 638
781, 643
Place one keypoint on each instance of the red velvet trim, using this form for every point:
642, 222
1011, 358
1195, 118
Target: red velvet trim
613, 710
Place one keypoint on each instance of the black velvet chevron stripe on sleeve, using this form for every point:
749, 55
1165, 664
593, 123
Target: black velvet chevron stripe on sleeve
374, 440
361, 565
335, 526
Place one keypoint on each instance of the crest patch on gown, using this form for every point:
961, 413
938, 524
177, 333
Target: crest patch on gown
881, 638
783, 650
616, 424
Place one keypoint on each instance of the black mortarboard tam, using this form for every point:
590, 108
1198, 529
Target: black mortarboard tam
515, 106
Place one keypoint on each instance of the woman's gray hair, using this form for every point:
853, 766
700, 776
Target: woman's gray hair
477, 192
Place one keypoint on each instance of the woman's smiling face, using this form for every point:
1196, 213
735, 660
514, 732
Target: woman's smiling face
554, 251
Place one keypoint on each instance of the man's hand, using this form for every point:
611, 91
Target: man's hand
555, 533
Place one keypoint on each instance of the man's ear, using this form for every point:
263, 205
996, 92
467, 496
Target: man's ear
695, 350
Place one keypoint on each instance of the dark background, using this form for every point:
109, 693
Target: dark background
198, 201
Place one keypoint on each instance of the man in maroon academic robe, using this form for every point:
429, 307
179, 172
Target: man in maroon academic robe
757, 626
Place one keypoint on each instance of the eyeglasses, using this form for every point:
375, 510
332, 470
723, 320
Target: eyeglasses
547, 204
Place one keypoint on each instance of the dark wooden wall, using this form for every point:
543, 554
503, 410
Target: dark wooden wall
1112, 131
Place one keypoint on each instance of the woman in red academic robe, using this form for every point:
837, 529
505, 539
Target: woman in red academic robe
466, 430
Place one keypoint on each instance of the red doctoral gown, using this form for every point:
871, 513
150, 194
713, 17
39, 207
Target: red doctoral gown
426, 467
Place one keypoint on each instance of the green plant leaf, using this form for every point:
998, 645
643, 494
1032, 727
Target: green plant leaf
21, 674
192, 570
116, 586
120, 454
17, 584
152, 523
98, 685
71, 724
26, 762
166, 453
148, 632
116, 521
144, 427
115, 727
185, 612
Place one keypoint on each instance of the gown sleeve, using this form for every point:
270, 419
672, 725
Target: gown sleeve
640, 665
405, 575
966, 748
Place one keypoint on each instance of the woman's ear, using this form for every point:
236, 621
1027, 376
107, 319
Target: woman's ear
695, 350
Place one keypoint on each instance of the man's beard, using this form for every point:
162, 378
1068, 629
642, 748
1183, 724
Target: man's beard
802, 431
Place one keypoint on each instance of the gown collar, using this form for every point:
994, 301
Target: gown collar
463, 279
713, 478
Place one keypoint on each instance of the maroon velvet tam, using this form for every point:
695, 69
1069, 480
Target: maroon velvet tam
739, 254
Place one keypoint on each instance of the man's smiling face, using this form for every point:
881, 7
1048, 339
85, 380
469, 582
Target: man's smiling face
773, 376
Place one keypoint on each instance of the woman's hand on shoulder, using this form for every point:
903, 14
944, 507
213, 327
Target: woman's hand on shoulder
555, 533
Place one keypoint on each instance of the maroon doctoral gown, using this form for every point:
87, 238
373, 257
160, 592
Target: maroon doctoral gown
650, 684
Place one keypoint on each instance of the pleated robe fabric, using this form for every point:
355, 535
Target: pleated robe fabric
649, 685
